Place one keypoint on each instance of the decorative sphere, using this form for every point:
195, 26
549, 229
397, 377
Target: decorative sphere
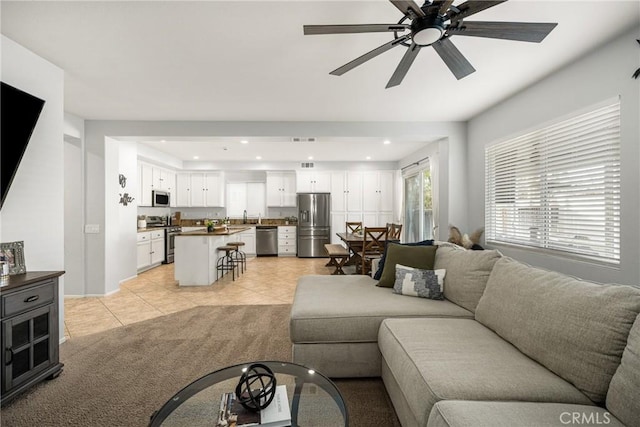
256, 388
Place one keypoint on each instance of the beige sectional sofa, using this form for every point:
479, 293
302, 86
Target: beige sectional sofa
510, 345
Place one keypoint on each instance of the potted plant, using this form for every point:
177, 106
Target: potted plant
210, 224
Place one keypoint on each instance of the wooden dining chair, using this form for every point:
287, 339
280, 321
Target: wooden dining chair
372, 246
395, 231
354, 227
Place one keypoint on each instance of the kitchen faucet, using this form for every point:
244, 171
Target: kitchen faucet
244, 217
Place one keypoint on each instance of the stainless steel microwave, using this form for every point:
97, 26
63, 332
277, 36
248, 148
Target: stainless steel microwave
160, 198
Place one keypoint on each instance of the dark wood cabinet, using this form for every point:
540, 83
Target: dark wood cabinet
29, 332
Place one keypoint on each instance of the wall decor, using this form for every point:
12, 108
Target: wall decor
125, 199
122, 180
13, 253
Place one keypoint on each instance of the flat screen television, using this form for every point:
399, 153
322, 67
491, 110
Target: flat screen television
19, 113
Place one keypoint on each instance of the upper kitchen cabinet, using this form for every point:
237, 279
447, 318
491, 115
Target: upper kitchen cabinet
313, 182
145, 184
151, 178
346, 191
281, 189
377, 191
200, 189
183, 189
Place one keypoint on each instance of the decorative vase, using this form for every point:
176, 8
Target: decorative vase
209, 228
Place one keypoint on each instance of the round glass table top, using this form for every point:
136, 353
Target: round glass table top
314, 399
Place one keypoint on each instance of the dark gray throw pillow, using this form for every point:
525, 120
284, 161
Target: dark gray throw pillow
380, 269
416, 282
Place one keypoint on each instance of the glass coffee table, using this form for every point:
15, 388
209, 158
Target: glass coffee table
313, 398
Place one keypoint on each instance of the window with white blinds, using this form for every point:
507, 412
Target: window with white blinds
558, 188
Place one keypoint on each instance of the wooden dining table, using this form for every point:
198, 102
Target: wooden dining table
354, 243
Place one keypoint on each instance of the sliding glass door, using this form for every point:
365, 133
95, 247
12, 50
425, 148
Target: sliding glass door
418, 215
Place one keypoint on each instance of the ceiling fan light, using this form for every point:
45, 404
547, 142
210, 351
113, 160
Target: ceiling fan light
427, 36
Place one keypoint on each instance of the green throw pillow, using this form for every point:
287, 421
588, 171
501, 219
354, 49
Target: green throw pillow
421, 257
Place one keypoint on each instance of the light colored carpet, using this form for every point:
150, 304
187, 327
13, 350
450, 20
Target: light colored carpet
121, 376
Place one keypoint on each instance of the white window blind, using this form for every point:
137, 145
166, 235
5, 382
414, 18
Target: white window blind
558, 187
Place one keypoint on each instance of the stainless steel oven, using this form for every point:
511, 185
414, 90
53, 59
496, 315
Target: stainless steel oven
169, 242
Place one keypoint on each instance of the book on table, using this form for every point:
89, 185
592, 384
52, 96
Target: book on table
233, 414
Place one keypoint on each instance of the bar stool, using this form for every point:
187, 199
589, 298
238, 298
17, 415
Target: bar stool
226, 262
239, 256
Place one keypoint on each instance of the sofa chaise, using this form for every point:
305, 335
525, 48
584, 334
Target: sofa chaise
509, 345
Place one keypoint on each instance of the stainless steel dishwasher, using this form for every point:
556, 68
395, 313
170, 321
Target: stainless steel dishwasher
266, 240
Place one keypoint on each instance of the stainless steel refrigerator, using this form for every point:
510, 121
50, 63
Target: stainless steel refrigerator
314, 224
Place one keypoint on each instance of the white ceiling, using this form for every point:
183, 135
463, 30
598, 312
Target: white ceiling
249, 61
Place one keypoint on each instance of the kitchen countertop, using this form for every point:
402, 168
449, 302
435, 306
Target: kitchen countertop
230, 230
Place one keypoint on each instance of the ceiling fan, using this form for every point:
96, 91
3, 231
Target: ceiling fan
433, 24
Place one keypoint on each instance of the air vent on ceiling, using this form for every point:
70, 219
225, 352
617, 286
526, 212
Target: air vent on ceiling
306, 165
303, 139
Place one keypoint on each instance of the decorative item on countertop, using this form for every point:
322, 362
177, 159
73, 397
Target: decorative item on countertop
252, 397
210, 225
466, 241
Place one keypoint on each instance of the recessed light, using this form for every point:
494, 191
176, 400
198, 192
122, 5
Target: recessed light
310, 157
163, 140
368, 157
244, 141
258, 157
195, 157
386, 142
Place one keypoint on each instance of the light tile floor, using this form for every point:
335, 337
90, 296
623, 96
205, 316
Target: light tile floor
155, 292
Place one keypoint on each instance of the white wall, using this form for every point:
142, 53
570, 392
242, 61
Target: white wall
601, 75
73, 206
33, 210
120, 221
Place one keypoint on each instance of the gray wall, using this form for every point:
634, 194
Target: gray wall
601, 75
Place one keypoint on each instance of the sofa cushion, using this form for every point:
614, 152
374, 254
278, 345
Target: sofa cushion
575, 328
467, 273
383, 258
412, 256
624, 390
457, 413
462, 359
350, 309
419, 283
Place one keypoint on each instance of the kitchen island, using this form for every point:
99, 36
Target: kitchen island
196, 255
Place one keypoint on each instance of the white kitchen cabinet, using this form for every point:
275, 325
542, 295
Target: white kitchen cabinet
377, 191
145, 184
163, 179
249, 239
150, 250
183, 189
144, 249
200, 189
313, 182
287, 240
281, 189
346, 191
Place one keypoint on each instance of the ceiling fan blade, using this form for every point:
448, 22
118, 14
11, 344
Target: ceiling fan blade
357, 28
451, 56
403, 66
367, 56
472, 7
408, 7
521, 31
441, 5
